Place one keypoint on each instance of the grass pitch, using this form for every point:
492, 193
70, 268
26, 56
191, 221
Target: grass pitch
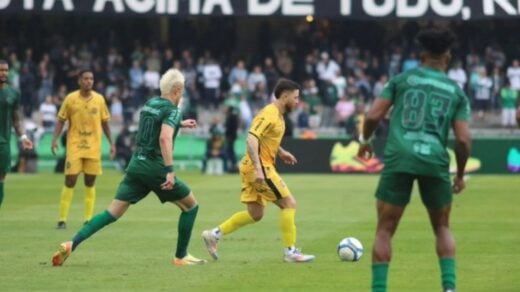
135, 253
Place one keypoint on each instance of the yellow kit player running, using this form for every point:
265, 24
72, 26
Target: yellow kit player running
87, 114
260, 181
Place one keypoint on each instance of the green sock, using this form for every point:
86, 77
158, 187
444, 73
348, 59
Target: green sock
186, 221
448, 272
1, 192
94, 225
379, 276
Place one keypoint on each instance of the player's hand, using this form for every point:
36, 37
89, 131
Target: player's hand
112, 152
27, 144
287, 157
189, 123
54, 148
365, 151
259, 177
458, 184
170, 181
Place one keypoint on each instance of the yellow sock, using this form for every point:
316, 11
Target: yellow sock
236, 221
288, 227
90, 198
65, 199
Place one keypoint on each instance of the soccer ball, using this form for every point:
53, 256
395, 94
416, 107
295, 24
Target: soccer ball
350, 249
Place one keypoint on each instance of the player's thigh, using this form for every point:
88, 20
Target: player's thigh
179, 191
251, 192
436, 192
132, 189
92, 166
395, 188
73, 166
5, 158
276, 187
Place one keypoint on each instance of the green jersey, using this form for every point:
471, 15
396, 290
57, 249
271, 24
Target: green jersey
509, 97
156, 112
425, 105
9, 103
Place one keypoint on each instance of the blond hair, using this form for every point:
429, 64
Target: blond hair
171, 78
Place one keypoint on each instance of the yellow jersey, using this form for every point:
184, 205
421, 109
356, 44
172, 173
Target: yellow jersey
85, 117
269, 127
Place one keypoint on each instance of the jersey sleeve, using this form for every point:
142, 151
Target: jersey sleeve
389, 90
462, 112
64, 112
173, 118
260, 125
104, 113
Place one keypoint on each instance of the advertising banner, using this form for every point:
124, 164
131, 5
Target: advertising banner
354, 9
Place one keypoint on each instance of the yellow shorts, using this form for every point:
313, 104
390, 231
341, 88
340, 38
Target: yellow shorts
86, 165
273, 189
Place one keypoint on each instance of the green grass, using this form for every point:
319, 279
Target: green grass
134, 254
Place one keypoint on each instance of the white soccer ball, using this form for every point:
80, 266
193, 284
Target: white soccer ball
350, 249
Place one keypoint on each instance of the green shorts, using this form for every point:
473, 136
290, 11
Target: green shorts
5, 158
395, 188
136, 186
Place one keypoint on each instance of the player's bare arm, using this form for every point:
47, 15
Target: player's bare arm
18, 127
286, 156
189, 123
252, 150
57, 132
108, 134
462, 151
376, 113
166, 144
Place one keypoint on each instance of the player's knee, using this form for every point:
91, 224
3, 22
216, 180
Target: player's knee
257, 216
70, 181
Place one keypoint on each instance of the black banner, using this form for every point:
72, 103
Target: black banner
354, 9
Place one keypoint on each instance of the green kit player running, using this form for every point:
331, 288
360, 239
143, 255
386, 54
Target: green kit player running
10, 117
425, 105
151, 169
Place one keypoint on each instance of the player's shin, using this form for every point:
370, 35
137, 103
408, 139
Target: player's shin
288, 227
186, 222
1, 193
379, 277
448, 273
99, 221
236, 221
90, 199
65, 200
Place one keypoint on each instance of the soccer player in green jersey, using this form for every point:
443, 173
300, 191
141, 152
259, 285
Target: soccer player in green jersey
10, 116
151, 169
425, 105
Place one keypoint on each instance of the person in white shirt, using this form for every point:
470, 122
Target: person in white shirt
48, 113
513, 73
483, 93
457, 74
151, 80
212, 75
327, 68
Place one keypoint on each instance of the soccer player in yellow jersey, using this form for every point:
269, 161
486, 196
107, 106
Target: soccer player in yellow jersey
260, 181
87, 114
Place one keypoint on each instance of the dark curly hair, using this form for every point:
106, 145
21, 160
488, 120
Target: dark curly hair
435, 40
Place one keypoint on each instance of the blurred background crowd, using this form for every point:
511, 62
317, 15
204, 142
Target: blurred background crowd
232, 64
